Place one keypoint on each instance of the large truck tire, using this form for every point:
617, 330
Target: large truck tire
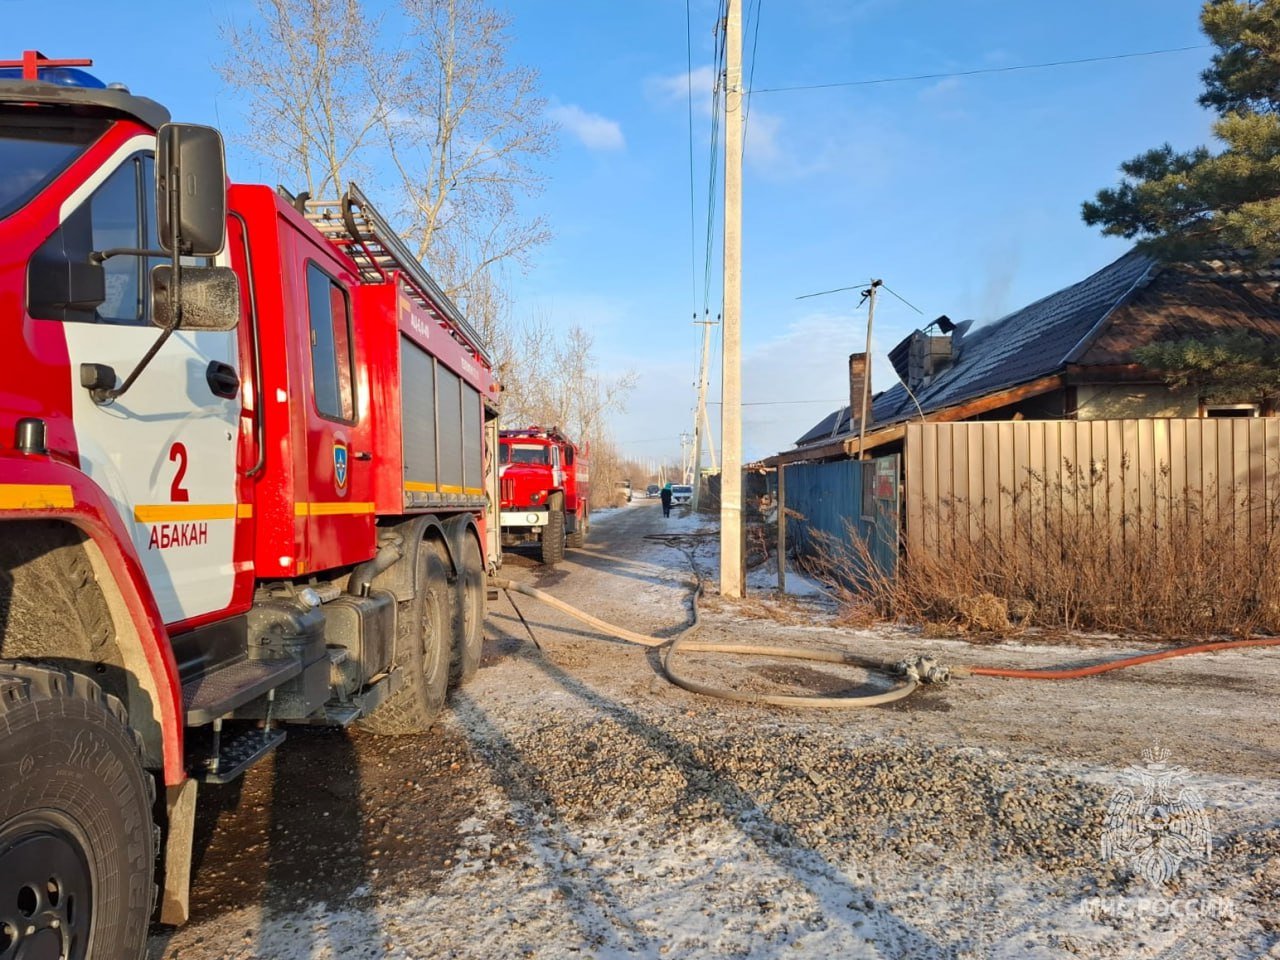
422, 651
77, 842
553, 532
471, 603
578, 538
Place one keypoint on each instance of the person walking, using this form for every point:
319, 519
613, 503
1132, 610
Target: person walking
666, 500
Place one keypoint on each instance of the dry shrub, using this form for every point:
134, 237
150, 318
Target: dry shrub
1056, 555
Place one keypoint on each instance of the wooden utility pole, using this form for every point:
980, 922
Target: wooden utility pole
732, 558
782, 528
866, 379
701, 425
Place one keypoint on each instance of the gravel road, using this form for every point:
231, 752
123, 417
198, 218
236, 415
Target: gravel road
575, 804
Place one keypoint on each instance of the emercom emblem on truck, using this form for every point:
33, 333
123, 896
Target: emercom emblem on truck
340, 467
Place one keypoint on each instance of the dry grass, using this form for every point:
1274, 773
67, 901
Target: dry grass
1181, 569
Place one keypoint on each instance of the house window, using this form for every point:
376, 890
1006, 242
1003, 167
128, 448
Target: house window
332, 357
1231, 410
867, 474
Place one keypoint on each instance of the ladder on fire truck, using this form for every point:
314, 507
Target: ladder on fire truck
355, 225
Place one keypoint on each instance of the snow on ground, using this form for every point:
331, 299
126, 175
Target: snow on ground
616, 816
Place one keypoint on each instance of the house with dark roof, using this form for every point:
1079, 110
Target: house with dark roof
1067, 356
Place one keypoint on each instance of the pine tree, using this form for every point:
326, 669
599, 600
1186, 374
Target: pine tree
1230, 367
1179, 205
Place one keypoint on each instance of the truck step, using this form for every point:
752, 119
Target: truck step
341, 714
236, 753
216, 693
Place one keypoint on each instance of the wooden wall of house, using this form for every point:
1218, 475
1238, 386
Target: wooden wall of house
1117, 401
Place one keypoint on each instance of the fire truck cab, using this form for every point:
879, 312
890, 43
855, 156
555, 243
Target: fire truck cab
247, 452
545, 484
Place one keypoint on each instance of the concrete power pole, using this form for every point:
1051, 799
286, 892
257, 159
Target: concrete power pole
701, 425
732, 558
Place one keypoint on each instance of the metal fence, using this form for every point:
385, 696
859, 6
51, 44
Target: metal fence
1140, 481
827, 504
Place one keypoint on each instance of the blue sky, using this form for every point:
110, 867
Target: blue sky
963, 194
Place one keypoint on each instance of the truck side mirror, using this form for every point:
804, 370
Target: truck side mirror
191, 190
209, 297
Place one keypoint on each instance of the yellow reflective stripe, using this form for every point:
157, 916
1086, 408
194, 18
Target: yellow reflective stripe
474, 491
35, 496
183, 512
331, 508
449, 488
244, 510
419, 487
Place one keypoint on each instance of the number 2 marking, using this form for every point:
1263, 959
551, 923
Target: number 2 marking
177, 492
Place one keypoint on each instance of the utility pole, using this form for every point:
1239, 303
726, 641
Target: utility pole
701, 425
684, 457
732, 559
870, 294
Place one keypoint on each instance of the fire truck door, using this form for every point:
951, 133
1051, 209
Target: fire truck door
338, 509
164, 452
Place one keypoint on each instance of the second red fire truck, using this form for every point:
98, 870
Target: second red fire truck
545, 483
247, 447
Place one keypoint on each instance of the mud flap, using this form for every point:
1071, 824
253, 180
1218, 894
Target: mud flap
180, 810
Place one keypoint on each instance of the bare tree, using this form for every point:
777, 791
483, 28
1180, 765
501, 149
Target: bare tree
308, 70
558, 383
422, 102
465, 138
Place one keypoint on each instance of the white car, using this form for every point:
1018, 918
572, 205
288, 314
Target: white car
681, 493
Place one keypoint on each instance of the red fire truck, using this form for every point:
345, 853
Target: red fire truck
545, 485
270, 510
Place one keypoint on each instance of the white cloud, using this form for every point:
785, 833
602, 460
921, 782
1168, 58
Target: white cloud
944, 89
673, 88
594, 131
764, 148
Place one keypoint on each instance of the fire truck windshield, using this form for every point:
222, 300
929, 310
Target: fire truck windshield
525, 453
36, 146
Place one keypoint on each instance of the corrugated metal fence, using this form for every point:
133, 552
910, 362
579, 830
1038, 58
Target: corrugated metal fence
829, 503
1145, 481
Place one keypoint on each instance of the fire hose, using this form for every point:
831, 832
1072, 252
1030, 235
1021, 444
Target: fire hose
910, 673
681, 644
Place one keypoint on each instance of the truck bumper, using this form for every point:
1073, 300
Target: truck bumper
524, 518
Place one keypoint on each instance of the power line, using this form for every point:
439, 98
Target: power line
904, 300
693, 202
751, 76
859, 286
823, 293
713, 161
775, 403
981, 70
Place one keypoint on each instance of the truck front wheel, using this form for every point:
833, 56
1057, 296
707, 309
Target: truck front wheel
77, 843
422, 651
553, 532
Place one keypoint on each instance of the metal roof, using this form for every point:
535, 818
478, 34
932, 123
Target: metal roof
1098, 321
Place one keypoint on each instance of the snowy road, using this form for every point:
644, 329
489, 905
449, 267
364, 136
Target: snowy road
574, 804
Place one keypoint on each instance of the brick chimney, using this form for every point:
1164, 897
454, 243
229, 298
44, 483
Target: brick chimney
858, 375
